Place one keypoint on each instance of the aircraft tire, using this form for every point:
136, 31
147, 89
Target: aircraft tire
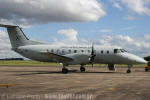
146, 70
82, 69
128, 71
64, 70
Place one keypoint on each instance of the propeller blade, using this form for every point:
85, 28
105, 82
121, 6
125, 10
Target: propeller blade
92, 55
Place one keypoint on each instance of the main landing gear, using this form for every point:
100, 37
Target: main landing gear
82, 68
64, 70
129, 69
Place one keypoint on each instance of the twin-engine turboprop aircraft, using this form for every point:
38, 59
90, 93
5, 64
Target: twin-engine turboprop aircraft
69, 55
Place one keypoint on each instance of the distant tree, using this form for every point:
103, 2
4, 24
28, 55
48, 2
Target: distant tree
147, 58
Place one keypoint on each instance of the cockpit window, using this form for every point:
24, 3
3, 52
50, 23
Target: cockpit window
119, 51
122, 50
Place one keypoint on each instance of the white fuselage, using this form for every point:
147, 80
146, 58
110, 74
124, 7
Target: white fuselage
69, 55
80, 54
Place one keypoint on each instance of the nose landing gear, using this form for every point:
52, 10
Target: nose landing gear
64, 69
129, 68
82, 68
128, 71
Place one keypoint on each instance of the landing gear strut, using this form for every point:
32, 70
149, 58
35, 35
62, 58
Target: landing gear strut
129, 69
82, 68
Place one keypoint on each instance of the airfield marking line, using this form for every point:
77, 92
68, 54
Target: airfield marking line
111, 89
5, 85
78, 82
45, 83
21, 78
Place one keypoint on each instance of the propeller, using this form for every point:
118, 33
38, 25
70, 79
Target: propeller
92, 57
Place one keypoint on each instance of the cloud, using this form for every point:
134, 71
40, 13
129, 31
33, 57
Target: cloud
137, 45
70, 34
117, 5
105, 30
5, 47
140, 7
45, 11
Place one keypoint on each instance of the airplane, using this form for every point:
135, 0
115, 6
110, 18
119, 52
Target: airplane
70, 55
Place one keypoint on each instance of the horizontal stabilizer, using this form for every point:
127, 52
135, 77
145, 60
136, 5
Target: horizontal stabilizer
7, 26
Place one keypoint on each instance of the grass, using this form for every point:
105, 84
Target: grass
36, 63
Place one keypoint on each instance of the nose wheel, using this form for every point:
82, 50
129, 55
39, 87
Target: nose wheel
129, 68
82, 68
128, 71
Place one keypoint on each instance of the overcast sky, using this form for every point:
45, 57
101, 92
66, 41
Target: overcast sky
123, 23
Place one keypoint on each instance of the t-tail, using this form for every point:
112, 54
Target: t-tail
17, 37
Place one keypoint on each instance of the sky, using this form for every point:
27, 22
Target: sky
123, 23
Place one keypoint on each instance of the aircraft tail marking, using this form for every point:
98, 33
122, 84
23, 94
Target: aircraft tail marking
17, 37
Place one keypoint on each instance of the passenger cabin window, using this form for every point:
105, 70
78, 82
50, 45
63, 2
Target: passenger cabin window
89, 51
69, 51
47, 50
82, 50
107, 52
102, 52
75, 51
52, 51
63, 51
57, 50
26, 50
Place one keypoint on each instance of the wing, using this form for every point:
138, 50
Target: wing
57, 57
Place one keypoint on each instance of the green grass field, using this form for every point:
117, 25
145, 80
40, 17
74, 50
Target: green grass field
36, 63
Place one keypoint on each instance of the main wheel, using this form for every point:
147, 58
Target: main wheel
82, 69
146, 70
128, 71
64, 70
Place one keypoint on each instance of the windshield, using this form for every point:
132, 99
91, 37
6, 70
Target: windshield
119, 51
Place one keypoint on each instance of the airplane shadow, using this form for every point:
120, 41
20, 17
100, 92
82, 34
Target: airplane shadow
41, 72
59, 72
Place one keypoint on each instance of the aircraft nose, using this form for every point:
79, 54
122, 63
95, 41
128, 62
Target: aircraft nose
141, 61
131, 58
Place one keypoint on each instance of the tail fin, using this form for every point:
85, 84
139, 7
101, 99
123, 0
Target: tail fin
17, 37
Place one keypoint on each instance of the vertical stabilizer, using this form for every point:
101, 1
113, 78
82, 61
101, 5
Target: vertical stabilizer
17, 37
